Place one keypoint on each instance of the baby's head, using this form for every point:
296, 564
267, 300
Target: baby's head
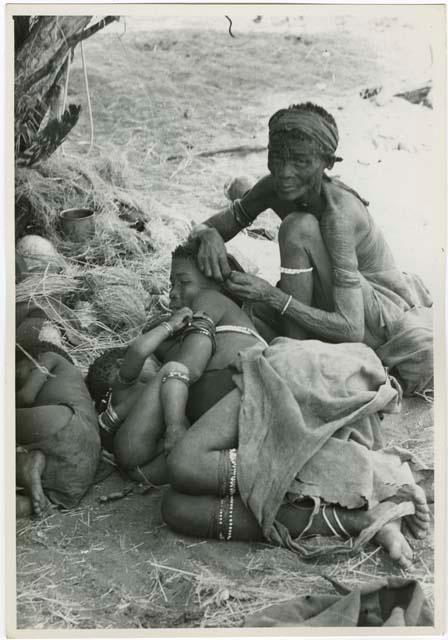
103, 370
32, 351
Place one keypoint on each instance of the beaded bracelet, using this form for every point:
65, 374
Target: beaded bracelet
168, 327
176, 375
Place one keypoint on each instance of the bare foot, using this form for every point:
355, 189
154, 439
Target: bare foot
378, 523
394, 542
30, 467
418, 523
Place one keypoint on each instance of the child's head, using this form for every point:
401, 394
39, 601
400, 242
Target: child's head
102, 372
187, 280
24, 364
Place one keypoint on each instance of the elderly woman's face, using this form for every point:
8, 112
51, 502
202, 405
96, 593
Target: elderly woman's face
186, 282
296, 167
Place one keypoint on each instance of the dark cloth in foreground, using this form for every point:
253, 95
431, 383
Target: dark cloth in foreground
308, 417
390, 602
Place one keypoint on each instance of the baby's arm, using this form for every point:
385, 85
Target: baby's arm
48, 363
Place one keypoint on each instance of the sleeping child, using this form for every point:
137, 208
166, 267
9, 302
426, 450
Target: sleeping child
58, 443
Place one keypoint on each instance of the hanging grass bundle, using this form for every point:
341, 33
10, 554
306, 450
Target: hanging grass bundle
102, 277
120, 307
43, 285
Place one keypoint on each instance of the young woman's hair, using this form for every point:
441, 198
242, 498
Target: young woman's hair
99, 374
189, 251
37, 347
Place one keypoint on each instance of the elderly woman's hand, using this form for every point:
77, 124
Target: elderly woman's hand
212, 255
248, 287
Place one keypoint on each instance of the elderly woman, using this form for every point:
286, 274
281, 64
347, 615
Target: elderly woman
339, 281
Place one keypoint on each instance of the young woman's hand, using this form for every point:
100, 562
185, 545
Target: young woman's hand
180, 319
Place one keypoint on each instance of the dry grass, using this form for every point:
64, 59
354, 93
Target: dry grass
165, 586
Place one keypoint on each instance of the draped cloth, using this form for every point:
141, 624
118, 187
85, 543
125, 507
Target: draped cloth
308, 427
385, 602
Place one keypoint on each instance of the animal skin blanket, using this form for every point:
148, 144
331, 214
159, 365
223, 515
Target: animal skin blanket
390, 602
307, 425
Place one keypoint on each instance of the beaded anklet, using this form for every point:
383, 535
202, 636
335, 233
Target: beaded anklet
226, 504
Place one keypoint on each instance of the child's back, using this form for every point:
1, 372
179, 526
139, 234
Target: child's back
61, 423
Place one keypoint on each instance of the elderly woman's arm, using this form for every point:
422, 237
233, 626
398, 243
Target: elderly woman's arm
345, 323
225, 225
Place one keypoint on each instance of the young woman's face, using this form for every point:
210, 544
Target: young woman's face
186, 282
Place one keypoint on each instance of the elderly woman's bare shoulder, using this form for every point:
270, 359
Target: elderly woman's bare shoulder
344, 202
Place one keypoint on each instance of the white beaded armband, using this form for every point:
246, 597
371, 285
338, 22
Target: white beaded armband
293, 272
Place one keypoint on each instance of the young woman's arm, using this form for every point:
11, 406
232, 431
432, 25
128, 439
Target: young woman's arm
191, 361
146, 345
197, 348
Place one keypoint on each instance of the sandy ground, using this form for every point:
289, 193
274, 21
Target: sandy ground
159, 93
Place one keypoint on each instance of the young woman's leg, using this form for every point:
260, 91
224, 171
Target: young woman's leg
195, 462
207, 516
197, 477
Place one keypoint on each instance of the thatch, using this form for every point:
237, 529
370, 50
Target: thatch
121, 274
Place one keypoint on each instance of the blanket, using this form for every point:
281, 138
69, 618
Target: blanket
309, 418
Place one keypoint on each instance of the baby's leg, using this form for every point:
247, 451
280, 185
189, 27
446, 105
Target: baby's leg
153, 472
137, 441
29, 469
194, 463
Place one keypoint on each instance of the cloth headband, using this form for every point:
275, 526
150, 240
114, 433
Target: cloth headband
308, 122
